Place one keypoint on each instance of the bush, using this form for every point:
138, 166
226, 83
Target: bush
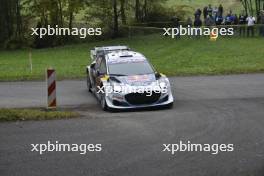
14, 43
161, 13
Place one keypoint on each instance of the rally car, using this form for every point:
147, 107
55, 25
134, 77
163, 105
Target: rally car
124, 79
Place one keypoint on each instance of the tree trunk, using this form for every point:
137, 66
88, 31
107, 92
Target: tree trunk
18, 19
70, 20
145, 9
60, 12
137, 10
244, 3
251, 7
122, 10
115, 19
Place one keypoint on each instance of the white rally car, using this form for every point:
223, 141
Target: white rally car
124, 79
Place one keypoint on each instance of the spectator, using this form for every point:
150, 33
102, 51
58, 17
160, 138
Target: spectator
250, 25
198, 13
220, 10
218, 19
228, 19
209, 21
235, 21
197, 22
205, 13
210, 10
242, 22
176, 24
261, 21
215, 12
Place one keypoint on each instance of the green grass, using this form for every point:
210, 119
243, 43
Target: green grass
34, 114
169, 56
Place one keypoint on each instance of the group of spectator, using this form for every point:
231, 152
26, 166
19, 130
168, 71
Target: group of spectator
214, 16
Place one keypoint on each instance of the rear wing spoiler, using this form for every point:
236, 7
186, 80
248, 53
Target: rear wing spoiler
106, 49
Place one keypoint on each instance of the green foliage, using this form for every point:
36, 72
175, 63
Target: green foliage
252, 7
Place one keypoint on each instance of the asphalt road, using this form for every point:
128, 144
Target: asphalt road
217, 109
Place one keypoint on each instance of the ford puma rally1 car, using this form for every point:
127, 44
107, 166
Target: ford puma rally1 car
124, 79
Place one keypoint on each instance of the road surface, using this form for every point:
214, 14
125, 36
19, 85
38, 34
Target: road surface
214, 109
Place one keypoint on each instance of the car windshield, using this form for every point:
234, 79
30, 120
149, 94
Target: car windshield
130, 68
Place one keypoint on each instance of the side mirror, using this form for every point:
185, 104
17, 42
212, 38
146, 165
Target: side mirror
157, 75
92, 65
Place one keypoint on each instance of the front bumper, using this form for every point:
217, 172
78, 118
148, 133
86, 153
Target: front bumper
118, 101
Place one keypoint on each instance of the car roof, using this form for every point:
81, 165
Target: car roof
124, 57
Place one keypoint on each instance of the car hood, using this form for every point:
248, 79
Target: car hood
136, 80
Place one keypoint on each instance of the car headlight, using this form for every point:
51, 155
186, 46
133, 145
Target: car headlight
163, 83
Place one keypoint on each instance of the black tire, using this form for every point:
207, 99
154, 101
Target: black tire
169, 106
89, 86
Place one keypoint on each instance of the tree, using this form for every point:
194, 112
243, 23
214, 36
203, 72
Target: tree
137, 11
145, 7
10, 20
249, 6
73, 8
122, 11
115, 18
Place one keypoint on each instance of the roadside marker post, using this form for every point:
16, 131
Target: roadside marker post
30, 61
51, 89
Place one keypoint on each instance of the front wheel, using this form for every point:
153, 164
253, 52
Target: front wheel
103, 103
169, 106
89, 86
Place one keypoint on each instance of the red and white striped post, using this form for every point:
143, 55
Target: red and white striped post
51, 86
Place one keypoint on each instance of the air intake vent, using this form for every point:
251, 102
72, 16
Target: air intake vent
126, 56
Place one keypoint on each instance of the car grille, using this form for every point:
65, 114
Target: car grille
142, 98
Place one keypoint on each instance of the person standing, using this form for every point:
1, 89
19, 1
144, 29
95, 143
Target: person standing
210, 10
220, 10
197, 24
205, 13
215, 12
176, 24
242, 22
250, 25
218, 19
228, 19
209, 21
198, 12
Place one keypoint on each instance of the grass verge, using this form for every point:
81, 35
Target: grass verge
169, 56
34, 114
